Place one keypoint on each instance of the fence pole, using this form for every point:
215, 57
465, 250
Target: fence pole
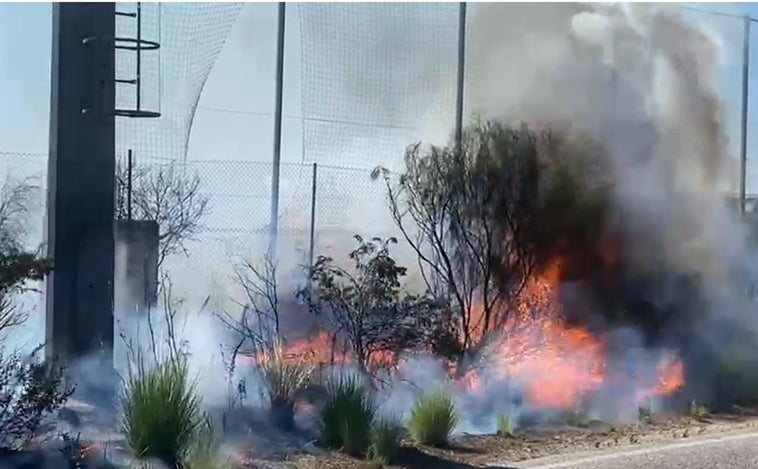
313, 221
461, 74
745, 88
274, 222
129, 166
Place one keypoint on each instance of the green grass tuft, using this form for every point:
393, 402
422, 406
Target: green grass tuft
433, 419
204, 454
347, 417
504, 427
161, 412
698, 412
385, 440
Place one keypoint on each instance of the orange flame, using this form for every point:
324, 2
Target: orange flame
558, 362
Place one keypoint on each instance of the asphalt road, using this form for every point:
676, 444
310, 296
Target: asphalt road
728, 451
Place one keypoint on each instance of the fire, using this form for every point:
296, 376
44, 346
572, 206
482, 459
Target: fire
556, 363
323, 350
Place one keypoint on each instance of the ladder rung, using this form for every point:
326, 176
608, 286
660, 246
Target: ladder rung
126, 82
126, 13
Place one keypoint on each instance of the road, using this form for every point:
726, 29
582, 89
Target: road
728, 451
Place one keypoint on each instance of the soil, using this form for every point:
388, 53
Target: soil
470, 451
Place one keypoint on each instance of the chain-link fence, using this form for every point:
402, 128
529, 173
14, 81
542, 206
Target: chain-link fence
321, 208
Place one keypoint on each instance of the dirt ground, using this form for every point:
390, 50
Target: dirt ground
470, 451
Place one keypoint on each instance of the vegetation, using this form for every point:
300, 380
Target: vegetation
282, 379
433, 419
482, 215
504, 426
385, 440
161, 412
30, 390
698, 412
347, 417
367, 305
166, 194
204, 452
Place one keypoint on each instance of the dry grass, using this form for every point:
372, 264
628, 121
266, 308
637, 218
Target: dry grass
283, 377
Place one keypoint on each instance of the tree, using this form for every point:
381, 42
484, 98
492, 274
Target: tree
166, 194
366, 304
29, 390
18, 265
484, 214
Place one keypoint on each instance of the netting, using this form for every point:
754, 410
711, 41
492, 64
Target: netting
372, 79
191, 36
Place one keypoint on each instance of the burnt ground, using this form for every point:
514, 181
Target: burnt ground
255, 444
469, 451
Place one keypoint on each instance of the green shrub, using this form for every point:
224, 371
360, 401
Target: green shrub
161, 412
347, 417
433, 419
204, 454
385, 440
644, 415
698, 412
504, 427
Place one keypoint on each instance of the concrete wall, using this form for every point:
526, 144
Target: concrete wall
136, 284
136, 274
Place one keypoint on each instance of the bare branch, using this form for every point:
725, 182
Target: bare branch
168, 195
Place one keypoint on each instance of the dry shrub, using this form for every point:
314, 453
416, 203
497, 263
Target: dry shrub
282, 378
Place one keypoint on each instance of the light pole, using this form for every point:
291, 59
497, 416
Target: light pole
461, 74
277, 153
743, 127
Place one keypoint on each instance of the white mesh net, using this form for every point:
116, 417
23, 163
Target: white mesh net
372, 79
191, 36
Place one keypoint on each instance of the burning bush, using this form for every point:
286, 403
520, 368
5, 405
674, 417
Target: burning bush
161, 412
367, 304
347, 416
483, 215
283, 378
433, 419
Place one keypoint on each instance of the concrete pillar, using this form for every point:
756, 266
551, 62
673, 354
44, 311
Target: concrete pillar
79, 293
136, 279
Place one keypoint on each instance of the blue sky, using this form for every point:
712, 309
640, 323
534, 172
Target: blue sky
242, 80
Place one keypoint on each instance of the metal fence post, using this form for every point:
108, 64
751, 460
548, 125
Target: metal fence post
312, 234
274, 222
745, 88
461, 78
129, 176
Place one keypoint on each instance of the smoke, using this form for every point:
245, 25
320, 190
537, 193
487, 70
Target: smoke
640, 80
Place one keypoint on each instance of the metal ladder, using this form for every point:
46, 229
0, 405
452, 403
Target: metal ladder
139, 45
